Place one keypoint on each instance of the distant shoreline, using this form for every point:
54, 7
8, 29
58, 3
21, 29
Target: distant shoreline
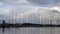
7, 25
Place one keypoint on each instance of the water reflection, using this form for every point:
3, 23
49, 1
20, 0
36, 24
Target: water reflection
31, 30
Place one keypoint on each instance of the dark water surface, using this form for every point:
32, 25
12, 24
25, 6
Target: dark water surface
31, 30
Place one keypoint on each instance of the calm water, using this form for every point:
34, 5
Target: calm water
31, 30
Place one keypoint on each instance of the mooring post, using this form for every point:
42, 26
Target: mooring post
3, 25
3, 21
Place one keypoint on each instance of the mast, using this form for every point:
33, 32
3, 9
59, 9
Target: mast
51, 22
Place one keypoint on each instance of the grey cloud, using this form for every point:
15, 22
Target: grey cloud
35, 17
32, 2
43, 2
19, 9
7, 0
53, 12
14, 2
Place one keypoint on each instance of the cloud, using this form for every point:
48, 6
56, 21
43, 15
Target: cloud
28, 14
31, 2
23, 9
36, 15
44, 2
16, 11
14, 2
39, 11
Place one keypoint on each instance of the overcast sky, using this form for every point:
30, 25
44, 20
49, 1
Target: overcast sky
19, 9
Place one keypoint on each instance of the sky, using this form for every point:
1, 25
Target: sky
20, 11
